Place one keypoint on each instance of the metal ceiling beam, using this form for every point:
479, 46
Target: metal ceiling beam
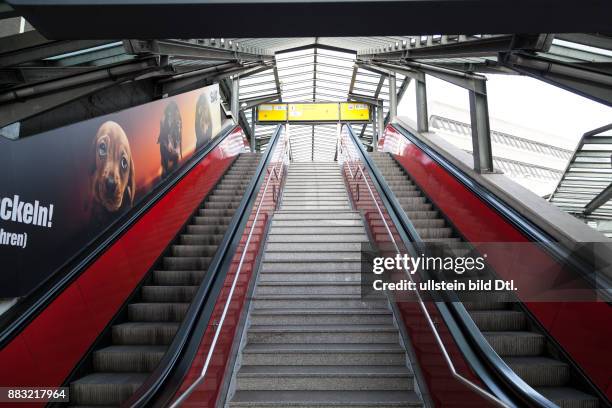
278, 83
593, 40
589, 83
253, 102
32, 46
48, 95
23, 75
190, 50
458, 46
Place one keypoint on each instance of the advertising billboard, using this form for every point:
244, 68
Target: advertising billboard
62, 188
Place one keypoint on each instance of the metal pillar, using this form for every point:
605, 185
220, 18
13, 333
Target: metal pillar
235, 104
481, 134
392, 96
421, 105
380, 125
253, 124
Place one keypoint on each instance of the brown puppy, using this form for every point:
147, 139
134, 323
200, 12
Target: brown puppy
113, 183
203, 120
170, 138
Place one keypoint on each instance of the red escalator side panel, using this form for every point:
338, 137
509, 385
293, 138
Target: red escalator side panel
46, 351
207, 392
583, 329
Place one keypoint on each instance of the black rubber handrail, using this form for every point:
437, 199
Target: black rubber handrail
161, 385
535, 234
14, 320
474, 347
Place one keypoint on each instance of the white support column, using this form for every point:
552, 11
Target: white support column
235, 107
392, 96
421, 104
481, 134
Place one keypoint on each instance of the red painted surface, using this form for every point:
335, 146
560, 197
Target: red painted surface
583, 329
206, 394
445, 390
46, 351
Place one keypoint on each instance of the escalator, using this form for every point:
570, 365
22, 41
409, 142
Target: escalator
139, 340
506, 327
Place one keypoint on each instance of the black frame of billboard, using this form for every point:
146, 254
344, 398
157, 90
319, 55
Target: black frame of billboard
29, 306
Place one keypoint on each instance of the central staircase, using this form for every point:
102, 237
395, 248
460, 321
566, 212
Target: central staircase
311, 340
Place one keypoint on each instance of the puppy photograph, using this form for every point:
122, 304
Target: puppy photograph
170, 138
203, 120
113, 184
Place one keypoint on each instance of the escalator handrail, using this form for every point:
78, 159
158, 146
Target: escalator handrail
14, 320
161, 385
535, 234
198, 381
461, 317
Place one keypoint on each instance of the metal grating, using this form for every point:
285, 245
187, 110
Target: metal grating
585, 187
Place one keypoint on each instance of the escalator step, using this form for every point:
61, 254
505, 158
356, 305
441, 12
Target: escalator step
157, 312
105, 388
540, 371
128, 359
168, 293
568, 397
185, 263
516, 343
178, 277
149, 333
490, 320
194, 250
199, 239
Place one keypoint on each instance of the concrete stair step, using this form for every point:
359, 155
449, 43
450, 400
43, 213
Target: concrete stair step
308, 288
128, 359
168, 293
105, 388
316, 301
144, 333
322, 378
344, 266
312, 256
323, 354
316, 215
329, 399
310, 276
355, 222
266, 316
540, 371
320, 334
313, 246
302, 207
316, 230
316, 238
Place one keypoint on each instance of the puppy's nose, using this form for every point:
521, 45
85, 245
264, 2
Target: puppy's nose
111, 184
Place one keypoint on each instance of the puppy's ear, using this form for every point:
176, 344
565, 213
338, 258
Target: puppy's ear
92, 175
131, 185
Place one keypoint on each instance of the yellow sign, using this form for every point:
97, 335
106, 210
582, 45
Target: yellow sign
354, 111
313, 112
274, 112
